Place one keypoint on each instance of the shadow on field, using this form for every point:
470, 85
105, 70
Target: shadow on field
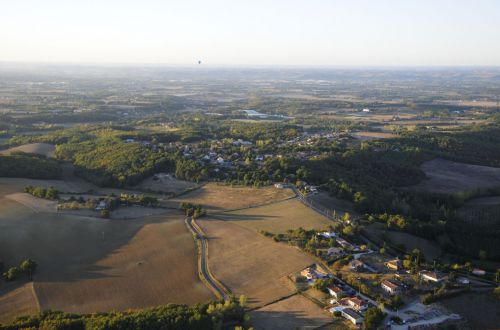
66, 248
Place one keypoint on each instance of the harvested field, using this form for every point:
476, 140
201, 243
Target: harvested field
296, 312
88, 264
251, 264
480, 309
222, 197
366, 135
444, 176
326, 201
44, 149
276, 217
17, 299
164, 183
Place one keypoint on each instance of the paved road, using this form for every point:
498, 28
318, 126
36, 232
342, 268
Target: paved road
205, 272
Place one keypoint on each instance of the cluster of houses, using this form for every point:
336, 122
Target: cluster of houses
347, 304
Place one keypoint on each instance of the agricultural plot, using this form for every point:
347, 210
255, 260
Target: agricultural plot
89, 265
17, 299
277, 217
296, 312
164, 183
251, 264
444, 176
220, 197
479, 309
43, 149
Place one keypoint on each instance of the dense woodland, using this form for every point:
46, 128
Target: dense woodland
31, 166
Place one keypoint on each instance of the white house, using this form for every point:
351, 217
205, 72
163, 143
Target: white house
390, 287
335, 291
352, 316
432, 276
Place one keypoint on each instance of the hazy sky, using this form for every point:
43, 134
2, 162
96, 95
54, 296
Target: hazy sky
252, 32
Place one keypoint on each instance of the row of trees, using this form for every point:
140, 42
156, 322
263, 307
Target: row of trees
211, 315
26, 267
48, 193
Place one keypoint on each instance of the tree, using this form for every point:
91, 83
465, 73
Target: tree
28, 266
243, 300
11, 274
51, 193
373, 317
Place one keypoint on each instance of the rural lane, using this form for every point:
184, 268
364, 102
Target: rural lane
214, 284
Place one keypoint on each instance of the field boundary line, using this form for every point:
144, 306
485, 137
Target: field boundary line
204, 272
35, 296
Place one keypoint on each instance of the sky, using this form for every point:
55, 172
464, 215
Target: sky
252, 32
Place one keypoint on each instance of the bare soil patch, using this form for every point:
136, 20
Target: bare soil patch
251, 264
296, 312
222, 197
444, 176
44, 149
277, 217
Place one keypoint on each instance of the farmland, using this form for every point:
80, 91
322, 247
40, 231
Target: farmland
277, 217
444, 176
43, 149
296, 312
221, 197
88, 264
250, 264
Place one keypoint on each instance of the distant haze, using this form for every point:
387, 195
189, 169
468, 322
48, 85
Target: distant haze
252, 32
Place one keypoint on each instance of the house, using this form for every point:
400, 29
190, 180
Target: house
345, 244
279, 185
328, 234
354, 303
391, 287
394, 264
432, 276
309, 273
352, 316
220, 160
335, 291
357, 265
335, 252
478, 272
103, 205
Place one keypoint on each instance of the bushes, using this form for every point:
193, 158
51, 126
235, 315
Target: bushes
373, 317
41, 192
194, 210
